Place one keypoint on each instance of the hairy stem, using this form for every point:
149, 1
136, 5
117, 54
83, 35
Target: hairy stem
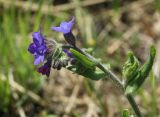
119, 83
112, 76
134, 105
116, 80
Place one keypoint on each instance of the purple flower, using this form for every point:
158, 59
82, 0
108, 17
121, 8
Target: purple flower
38, 47
68, 53
65, 27
46, 68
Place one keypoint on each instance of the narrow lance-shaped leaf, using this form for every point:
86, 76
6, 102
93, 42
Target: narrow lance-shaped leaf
89, 73
146, 68
85, 61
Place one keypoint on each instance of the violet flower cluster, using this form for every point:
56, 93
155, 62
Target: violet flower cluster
38, 47
44, 50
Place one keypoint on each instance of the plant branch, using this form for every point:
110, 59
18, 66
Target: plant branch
119, 83
114, 78
134, 105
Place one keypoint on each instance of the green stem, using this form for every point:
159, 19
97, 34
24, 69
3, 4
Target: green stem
112, 76
134, 105
119, 83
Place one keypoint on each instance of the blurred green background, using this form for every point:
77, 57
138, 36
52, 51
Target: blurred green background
110, 27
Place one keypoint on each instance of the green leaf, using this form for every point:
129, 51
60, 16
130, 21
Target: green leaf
126, 113
142, 73
86, 66
93, 75
130, 68
85, 61
132, 86
88, 73
146, 68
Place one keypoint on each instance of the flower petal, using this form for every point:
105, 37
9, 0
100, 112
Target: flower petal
41, 50
45, 69
38, 38
32, 48
38, 59
70, 23
58, 29
65, 27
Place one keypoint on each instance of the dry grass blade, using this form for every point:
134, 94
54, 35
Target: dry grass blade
71, 100
91, 110
21, 112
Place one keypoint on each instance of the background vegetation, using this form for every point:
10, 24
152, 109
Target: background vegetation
110, 27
